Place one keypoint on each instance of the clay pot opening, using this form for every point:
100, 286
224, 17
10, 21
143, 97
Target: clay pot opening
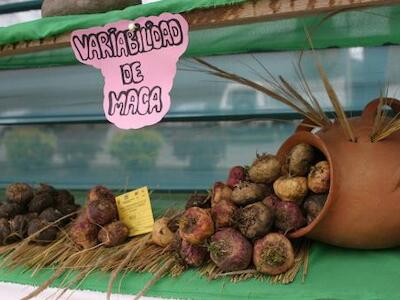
315, 141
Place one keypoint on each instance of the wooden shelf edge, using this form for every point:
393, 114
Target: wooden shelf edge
249, 12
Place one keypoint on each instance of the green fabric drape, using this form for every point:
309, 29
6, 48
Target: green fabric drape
52, 26
334, 273
370, 27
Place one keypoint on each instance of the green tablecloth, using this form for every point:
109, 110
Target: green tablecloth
334, 273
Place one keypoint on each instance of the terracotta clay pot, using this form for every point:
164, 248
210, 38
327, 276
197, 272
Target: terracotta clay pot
363, 206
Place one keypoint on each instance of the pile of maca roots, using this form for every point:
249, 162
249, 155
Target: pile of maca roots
246, 219
98, 222
27, 211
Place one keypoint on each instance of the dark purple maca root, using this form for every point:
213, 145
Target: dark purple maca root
84, 233
20, 193
102, 211
45, 188
313, 205
47, 233
113, 234
9, 210
273, 254
64, 198
51, 215
288, 216
100, 192
192, 255
19, 227
230, 250
198, 200
40, 202
254, 220
4, 231
67, 209
223, 213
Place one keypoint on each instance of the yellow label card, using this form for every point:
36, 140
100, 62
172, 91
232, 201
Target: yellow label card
134, 209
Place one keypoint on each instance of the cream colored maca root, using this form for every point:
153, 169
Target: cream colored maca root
291, 188
265, 169
319, 178
299, 160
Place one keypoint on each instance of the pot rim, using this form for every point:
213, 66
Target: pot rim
313, 140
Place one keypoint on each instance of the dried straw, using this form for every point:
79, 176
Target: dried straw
137, 255
384, 126
277, 88
340, 113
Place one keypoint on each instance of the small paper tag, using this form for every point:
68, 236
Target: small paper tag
135, 211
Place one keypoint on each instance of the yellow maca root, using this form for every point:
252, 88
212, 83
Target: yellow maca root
318, 179
291, 188
162, 235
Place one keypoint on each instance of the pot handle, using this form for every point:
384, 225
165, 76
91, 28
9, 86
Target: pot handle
369, 113
305, 125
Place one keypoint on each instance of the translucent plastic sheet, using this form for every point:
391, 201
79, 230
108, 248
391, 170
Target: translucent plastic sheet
74, 93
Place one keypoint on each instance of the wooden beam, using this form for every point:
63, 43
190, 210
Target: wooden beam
249, 12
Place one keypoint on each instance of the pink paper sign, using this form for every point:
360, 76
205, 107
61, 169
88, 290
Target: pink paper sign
138, 62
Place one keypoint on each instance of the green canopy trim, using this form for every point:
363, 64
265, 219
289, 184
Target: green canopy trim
52, 26
363, 28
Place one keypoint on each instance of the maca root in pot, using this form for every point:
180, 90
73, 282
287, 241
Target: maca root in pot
230, 250
248, 192
265, 169
196, 225
313, 205
20, 193
254, 220
299, 160
291, 188
273, 254
318, 180
223, 213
